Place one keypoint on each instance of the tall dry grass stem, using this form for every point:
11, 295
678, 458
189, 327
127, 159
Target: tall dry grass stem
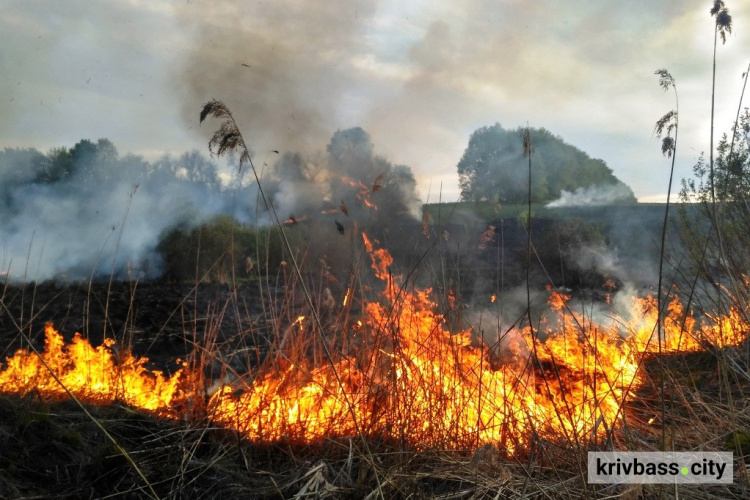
229, 138
666, 129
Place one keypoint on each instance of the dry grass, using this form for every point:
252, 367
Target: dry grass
51, 449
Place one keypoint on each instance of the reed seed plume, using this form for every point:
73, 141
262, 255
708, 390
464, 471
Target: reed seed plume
666, 125
227, 137
723, 19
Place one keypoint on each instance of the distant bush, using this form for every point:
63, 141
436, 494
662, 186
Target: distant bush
219, 250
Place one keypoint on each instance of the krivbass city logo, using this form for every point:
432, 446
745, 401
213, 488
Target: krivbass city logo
660, 467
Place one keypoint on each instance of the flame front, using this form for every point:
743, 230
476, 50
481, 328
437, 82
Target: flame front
91, 374
409, 378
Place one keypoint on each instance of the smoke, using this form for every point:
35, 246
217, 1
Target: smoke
500, 326
282, 68
348, 181
599, 258
86, 212
595, 195
292, 74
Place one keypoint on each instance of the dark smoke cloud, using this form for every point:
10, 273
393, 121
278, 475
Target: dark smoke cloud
282, 67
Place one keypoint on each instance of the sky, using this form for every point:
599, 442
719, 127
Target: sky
419, 76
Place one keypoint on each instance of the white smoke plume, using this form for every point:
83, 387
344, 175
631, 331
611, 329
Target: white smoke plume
85, 212
102, 215
594, 195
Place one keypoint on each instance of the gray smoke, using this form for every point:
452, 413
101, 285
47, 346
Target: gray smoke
281, 68
85, 212
288, 74
348, 181
498, 325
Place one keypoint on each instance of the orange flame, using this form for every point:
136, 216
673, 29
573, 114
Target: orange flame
412, 379
299, 321
91, 374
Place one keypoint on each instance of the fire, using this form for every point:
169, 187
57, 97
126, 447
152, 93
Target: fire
682, 332
92, 374
299, 321
409, 379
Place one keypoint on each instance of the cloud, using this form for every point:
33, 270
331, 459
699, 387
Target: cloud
88, 69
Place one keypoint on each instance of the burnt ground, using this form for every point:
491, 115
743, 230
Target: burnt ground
51, 450
157, 319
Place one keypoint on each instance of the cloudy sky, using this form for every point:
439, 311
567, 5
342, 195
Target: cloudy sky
419, 76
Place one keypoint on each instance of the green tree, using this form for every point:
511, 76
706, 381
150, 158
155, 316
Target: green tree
351, 152
197, 168
94, 161
492, 167
731, 175
58, 165
88, 162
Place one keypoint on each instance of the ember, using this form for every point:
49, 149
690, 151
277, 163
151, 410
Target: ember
363, 192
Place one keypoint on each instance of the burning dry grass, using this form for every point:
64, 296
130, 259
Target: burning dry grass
92, 373
512, 419
53, 450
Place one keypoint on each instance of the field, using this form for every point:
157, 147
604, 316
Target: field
358, 382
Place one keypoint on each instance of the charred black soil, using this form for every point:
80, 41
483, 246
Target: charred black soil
158, 319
